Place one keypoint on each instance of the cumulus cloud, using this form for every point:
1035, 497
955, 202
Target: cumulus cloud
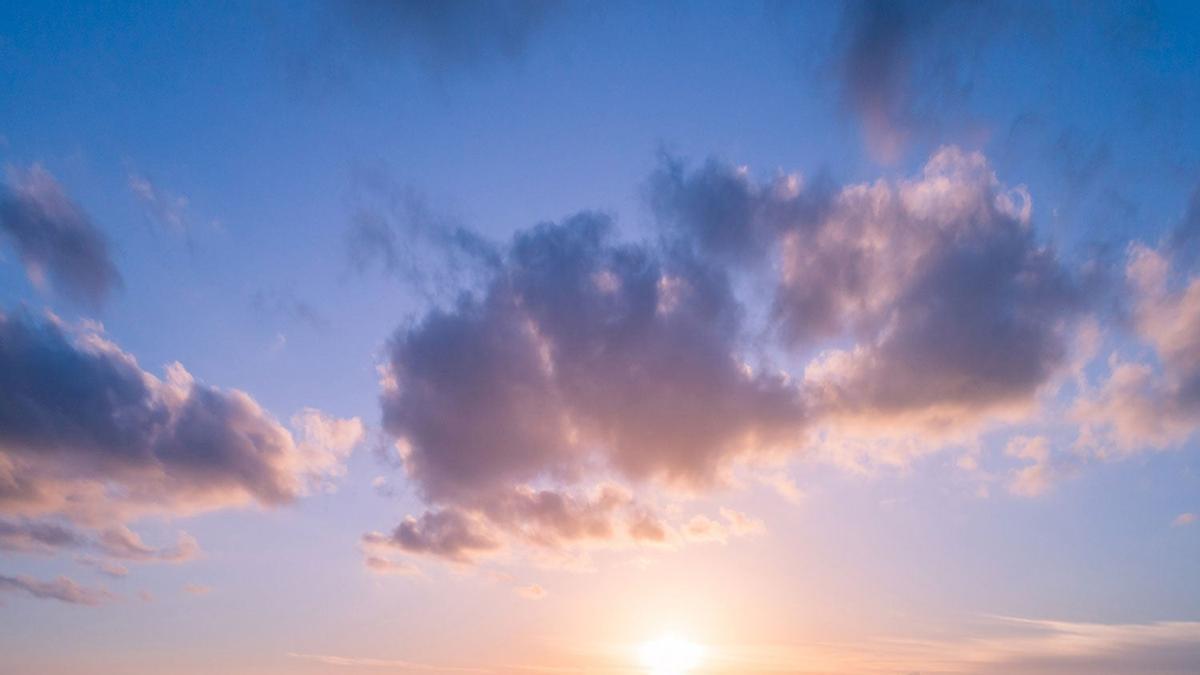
553, 525
62, 589
448, 533
926, 308
582, 349
951, 306
89, 438
582, 356
54, 238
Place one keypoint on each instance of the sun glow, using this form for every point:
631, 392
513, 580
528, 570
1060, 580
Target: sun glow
670, 655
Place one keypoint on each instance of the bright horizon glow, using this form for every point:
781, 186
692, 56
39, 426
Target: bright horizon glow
670, 654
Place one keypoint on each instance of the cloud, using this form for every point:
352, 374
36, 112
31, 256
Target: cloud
449, 533
393, 227
581, 356
531, 592
901, 62
449, 35
46, 537
77, 409
62, 589
389, 664
124, 544
1185, 236
53, 237
112, 569
168, 210
993, 646
582, 350
1142, 404
196, 589
1183, 519
922, 310
380, 565
1042, 468
88, 437
26, 536
732, 524
950, 307
287, 305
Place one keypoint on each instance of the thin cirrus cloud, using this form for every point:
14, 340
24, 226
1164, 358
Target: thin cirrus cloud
995, 645
90, 443
169, 211
63, 589
925, 311
118, 542
55, 239
439, 41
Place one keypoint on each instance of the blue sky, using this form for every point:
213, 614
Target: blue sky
229, 156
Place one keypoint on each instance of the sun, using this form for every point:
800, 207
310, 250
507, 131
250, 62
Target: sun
670, 655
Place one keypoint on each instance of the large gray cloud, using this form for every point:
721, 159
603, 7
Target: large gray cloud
54, 237
582, 349
950, 303
914, 304
583, 356
89, 410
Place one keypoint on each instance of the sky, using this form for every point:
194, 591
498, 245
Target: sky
599, 337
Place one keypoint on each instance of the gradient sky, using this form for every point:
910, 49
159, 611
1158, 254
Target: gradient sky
506, 337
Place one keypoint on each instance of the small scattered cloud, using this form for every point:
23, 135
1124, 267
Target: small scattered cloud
196, 589
387, 566
1183, 519
531, 592
108, 567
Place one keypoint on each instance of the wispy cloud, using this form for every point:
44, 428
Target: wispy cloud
392, 664
63, 589
54, 238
